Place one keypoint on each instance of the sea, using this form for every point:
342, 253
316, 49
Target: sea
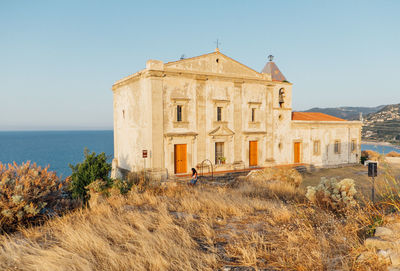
383, 149
58, 149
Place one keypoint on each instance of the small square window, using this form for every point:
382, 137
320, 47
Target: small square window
337, 146
179, 113
219, 113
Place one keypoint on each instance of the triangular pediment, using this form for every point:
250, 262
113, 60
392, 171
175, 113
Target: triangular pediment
214, 63
221, 131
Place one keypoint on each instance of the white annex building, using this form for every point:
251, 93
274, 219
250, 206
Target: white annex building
212, 107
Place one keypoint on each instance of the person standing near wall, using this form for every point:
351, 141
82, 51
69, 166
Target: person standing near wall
194, 177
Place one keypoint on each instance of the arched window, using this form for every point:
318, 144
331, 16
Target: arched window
281, 97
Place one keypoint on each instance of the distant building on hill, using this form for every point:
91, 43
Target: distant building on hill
211, 107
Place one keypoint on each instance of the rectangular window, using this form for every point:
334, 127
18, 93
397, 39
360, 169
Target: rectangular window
179, 113
253, 114
337, 146
353, 145
219, 113
219, 153
317, 146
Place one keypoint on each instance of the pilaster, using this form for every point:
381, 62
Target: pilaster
155, 83
237, 124
269, 125
201, 118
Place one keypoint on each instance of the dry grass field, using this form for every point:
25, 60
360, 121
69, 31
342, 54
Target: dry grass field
388, 171
252, 223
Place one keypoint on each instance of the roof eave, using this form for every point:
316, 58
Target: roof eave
347, 122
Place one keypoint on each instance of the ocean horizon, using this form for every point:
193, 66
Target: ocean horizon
383, 149
58, 149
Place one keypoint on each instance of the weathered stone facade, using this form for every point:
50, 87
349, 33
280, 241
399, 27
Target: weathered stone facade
213, 107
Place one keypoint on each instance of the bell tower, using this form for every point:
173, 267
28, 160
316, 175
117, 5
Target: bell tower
280, 93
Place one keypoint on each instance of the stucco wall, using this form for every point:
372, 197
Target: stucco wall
197, 133
282, 134
327, 133
145, 117
132, 128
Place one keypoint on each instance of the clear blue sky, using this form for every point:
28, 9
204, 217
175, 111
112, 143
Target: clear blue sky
59, 59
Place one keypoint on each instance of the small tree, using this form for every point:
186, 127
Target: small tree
94, 167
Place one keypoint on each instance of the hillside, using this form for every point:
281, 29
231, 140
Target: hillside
259, 222
347, 112
383, 125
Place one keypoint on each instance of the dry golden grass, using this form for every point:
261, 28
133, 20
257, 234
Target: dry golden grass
371, 155
393, 154
251, 223
387, 173
284, 174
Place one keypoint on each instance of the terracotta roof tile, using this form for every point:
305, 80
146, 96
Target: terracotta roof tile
273, 70
314, 116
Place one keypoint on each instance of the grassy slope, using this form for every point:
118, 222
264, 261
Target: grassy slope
359, 174
252, 223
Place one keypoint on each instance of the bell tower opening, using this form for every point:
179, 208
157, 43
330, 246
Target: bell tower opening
281, 97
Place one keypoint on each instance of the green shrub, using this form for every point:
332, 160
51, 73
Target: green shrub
94, 167
123, 186
29, 194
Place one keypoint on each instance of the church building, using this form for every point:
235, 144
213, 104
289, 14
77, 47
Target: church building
211, 109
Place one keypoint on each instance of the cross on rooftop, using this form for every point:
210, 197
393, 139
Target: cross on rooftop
217, 43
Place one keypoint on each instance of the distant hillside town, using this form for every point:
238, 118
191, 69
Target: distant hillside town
381, 123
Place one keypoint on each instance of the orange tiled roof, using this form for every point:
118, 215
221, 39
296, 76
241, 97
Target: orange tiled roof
314, 116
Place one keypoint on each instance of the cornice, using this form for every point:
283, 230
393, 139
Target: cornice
200, 76
254, 132
127, 80
207, 75
153, 73
180, 134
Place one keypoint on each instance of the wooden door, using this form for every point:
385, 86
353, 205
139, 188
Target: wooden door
253, 153
180, 158
297, 152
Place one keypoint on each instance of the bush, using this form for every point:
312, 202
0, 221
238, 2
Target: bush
332, 194
94, 167
28, 194
123, 186
99, 190
370, 155
364, 157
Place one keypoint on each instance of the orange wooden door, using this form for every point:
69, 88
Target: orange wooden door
297, 147
253, 153
180, 158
